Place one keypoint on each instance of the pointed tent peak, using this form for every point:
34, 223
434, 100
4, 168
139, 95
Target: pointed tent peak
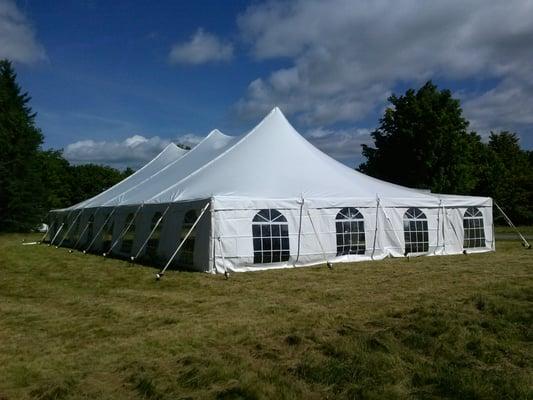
172, 148
216, 133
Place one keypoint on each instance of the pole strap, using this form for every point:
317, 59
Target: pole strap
299, 233
376, 229
222, 255
151, 233
184, 240
508, 220
101, 228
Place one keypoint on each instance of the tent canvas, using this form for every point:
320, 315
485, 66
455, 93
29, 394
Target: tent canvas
276, 201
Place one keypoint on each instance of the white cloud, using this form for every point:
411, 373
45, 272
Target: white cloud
134, 151
17, 39
203, 47
343, 145
345, 57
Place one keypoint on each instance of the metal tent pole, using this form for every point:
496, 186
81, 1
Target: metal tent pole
525, 243
57, 233
70, 228
150, 235
162, 272
125, 230
100, 230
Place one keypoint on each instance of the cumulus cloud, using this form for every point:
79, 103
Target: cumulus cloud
344, 57
17, 38
203, 47
340, 144
134, 151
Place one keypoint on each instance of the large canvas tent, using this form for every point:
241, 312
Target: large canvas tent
268, 199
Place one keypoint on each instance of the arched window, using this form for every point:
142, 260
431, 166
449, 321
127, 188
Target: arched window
186, 256
271, 237
107, 234
127, 239
153, 242
350, 226
415, 228
90, 230
473, 227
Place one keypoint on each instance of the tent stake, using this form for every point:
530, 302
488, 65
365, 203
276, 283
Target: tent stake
162, 272
525, 243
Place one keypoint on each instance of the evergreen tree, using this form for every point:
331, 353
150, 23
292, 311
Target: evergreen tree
422, 142
21, 202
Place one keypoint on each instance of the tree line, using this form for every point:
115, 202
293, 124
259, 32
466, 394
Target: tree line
32, 180
422, 141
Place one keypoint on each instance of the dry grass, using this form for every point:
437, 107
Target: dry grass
78, 326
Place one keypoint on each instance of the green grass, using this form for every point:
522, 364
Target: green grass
76, 326
524, 230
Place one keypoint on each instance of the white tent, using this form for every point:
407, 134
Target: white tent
270, 199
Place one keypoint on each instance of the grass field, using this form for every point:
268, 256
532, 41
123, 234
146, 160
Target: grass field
76, 326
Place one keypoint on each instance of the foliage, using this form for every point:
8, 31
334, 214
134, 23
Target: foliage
21, 194
371, 330
506, 174
422, 142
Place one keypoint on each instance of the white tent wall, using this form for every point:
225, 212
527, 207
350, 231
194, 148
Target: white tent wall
316, 235
170, 234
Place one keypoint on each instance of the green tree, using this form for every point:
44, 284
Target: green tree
21, 202
56, 179
506, 175
88, 180
422, 142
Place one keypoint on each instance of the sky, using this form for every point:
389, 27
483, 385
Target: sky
114, 82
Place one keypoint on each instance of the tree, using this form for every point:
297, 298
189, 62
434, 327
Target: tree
21, 202
56, 179
88, 180
506, 175
422, 142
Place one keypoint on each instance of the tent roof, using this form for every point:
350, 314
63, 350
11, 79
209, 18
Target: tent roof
167, 156
272, 161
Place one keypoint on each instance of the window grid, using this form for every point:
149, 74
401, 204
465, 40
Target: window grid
270, 237
416, 233
350, 230
474, 232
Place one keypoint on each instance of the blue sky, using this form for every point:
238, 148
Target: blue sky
115, 81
